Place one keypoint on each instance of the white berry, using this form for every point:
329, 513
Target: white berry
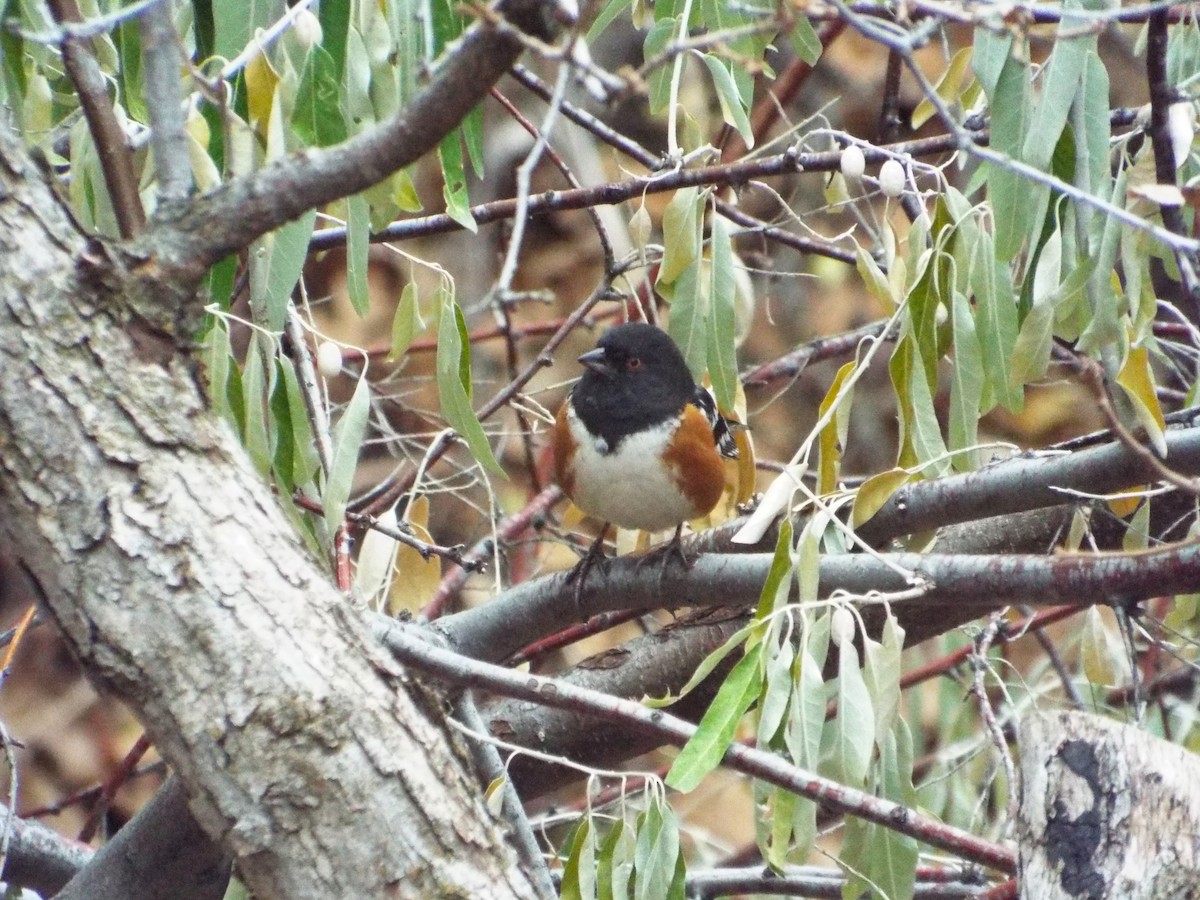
853, 162
841, 626
329, 359
891, 178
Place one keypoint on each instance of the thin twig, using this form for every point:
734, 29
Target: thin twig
454, 554
508, 529
1052, 654
980, 668
1093, 377
117, 779
116, 160
491, 769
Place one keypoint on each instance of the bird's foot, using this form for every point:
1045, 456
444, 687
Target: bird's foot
593, 559
666, 553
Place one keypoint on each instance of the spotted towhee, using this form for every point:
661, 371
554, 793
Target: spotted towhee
638, 443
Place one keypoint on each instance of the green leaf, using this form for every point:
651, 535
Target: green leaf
722, 331
778, 676
775, 589
235, 21
202, 28
305, 461
1092, 142
454, 189
707, 747
847, 739
1061, 78
681, 234
348, 437
615, 863
688, 326
579, 874
334, 16
358, 248
607, 16
807, 717
656, 852
876, 283
12, 53
806, 43
732, 110
282, 432
128, 40
948, 88
1005, 78
882, 672
966, 384
221, 279
706, 667
776, 837
658, 84
454, 382
217, 359
407, 322
996, 322
317, 118
276, 262
254, 392
472, 132
893, 856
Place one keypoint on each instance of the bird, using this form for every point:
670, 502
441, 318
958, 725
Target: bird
638, 443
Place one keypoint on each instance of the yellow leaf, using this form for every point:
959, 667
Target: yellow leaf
948, 87
1125, 505
875, 492
832, 435
1095, 650
416, 578
261, 81
1137, 380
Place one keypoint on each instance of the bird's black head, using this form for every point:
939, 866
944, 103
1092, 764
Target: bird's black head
635, 378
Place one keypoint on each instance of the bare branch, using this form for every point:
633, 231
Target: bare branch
411, 649
109, 137
160, 50
979, 582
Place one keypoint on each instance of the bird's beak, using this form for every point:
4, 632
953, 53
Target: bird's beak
598, 362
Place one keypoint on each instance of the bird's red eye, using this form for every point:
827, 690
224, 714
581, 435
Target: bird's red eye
634, 363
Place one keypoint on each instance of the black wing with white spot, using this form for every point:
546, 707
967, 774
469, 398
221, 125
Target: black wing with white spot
721, 428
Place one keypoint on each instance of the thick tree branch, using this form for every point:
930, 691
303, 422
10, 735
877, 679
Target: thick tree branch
39, 858
162, 854
176, 580
241, 210
660, 663
1032, 480
978, 582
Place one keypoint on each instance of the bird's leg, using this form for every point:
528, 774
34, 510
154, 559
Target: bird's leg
579, 572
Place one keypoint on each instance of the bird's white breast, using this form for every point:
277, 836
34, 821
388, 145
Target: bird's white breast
629, 486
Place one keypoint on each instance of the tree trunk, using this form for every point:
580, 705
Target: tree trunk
1107, 811
164, 560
